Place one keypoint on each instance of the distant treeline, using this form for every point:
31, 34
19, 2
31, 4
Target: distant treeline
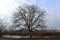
34, 33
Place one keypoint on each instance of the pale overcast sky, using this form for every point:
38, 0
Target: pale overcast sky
52, 8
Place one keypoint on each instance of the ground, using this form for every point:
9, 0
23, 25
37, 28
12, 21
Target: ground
28, 39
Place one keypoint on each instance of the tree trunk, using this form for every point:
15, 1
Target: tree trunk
0, 33
30, 33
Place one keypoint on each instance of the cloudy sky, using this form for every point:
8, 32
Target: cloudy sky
52, 8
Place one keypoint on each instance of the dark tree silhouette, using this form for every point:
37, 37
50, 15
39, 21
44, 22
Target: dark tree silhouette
29, 17
1, 26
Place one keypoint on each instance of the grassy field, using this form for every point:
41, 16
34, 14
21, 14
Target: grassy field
28, 39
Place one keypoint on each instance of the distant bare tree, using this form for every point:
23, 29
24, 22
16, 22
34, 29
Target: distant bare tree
2, 24
29, 17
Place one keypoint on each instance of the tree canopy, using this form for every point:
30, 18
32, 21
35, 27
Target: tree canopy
29, 17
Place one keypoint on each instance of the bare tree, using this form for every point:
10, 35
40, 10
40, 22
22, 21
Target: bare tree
29, 17
2, 24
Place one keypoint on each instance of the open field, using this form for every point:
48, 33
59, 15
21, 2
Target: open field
28, 39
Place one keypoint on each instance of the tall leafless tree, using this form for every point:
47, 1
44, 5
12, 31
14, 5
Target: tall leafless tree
2, 24
29, 17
